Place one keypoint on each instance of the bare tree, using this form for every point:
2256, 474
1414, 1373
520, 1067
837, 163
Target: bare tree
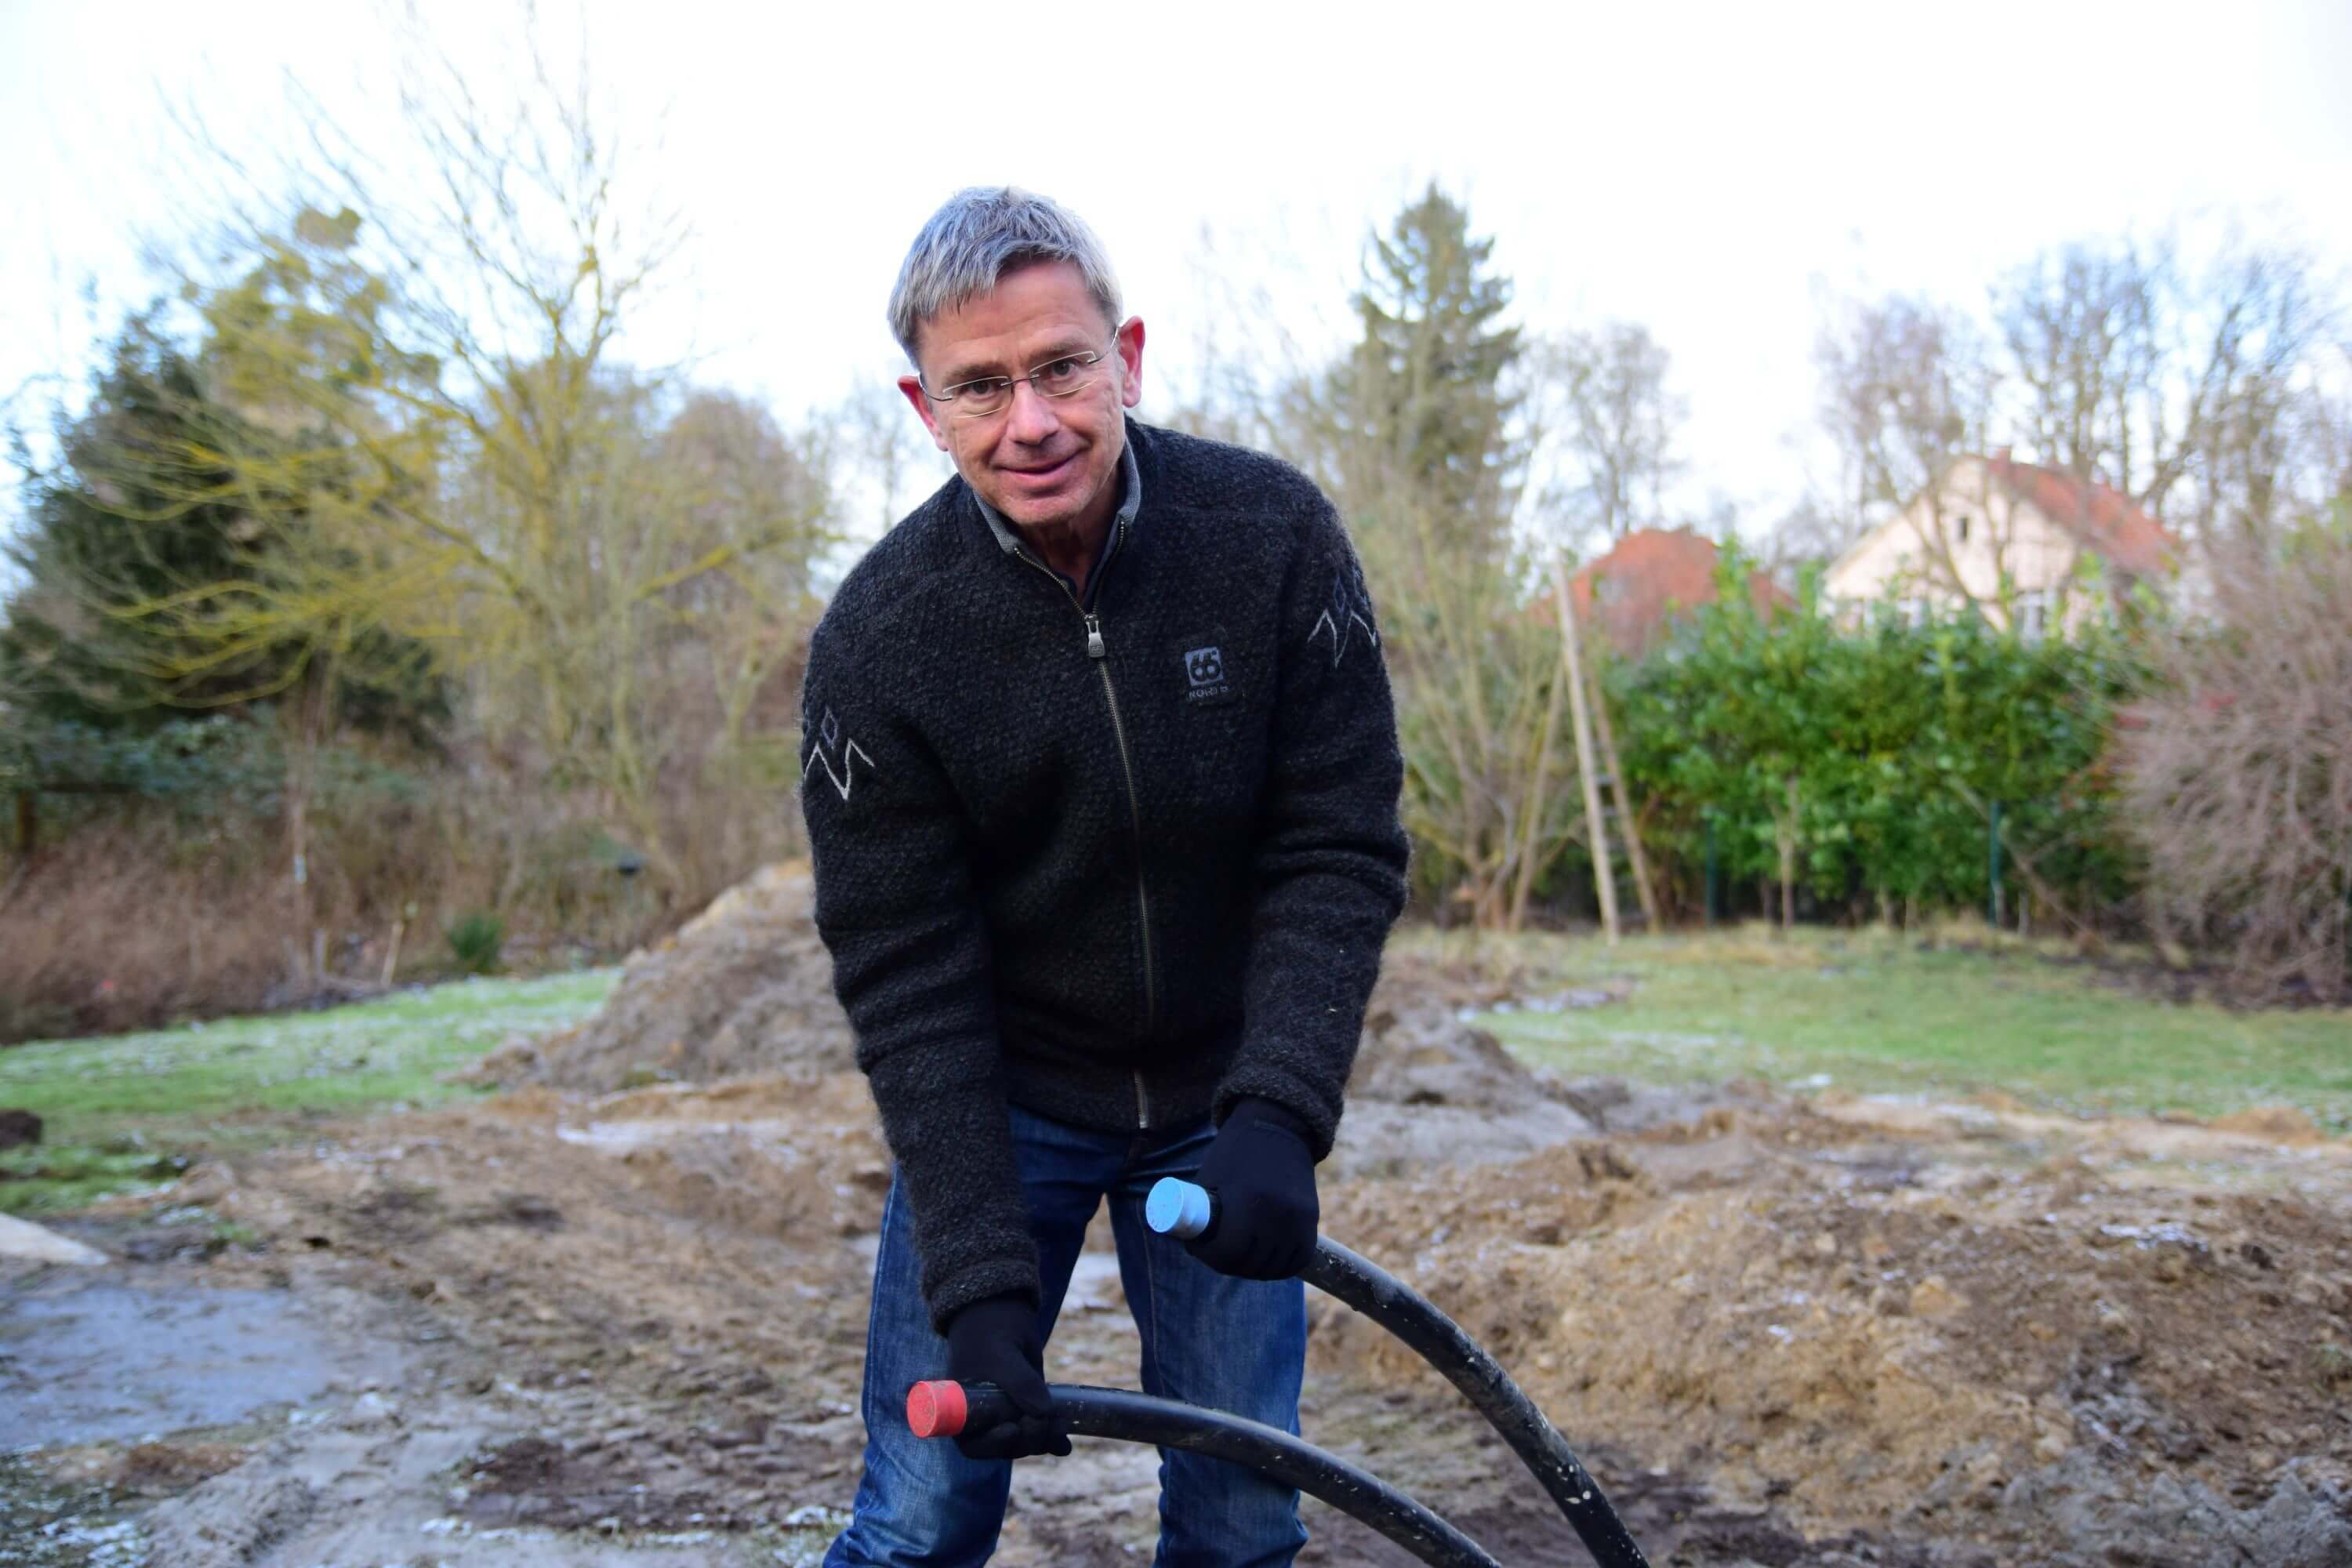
2086, 331
1241, 376
1907, 391
2211, 396
1610, 426
505, 488
2268, 447
1812, 533
2193, 391
878, 449
2237, 765
723, 468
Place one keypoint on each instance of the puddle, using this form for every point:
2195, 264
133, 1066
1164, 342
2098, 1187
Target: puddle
85, 1360
623, 1137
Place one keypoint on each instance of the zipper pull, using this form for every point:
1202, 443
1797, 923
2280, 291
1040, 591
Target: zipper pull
1093, 636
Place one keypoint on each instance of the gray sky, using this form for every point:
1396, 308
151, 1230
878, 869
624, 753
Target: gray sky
1705, 170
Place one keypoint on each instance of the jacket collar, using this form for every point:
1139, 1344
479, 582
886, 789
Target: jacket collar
1131, 501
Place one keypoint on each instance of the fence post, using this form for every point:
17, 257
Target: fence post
1992, 898
1714, 874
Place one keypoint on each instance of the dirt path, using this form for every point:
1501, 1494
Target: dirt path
574, 1326
627, 1331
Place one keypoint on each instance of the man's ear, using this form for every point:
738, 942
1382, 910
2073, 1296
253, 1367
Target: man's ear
912, 385
1129, 341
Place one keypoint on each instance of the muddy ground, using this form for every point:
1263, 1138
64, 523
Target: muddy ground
569, 1327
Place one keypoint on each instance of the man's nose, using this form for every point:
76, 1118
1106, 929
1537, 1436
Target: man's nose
1032, 419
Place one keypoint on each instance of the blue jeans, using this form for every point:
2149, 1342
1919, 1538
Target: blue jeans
1238, 1345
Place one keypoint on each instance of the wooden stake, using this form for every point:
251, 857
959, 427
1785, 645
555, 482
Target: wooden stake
1640, 863
1605, 876
391, 953
1532, 839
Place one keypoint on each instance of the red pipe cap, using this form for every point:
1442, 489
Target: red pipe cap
937, 1409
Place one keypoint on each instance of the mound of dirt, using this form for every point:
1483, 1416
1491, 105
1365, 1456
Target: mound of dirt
229, 1526
2275, 1123
746, 987
1820, 1312
1430, 1090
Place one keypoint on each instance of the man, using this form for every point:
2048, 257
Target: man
1101, 783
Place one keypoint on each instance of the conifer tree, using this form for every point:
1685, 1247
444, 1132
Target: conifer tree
1427, 455
1426, 385
147, 545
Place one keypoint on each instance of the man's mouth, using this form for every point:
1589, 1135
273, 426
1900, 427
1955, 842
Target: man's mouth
1038, 476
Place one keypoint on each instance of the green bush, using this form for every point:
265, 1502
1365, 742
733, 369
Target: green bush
1874, 755
475, 938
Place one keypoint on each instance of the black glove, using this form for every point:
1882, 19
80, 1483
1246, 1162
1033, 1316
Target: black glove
996, 1341
1263, 1172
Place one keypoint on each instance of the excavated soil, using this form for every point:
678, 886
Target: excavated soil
745, 986
568, 1328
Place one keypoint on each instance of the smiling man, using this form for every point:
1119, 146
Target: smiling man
1100, 777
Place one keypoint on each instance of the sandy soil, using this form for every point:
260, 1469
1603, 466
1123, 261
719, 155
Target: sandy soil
567, 1328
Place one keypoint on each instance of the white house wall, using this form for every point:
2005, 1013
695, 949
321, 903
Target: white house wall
1914, 557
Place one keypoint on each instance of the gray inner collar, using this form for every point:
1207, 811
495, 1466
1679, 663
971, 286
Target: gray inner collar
1131, 502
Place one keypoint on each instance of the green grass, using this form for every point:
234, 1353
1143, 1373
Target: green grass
1874, 1012
1868, 1011
119, 1109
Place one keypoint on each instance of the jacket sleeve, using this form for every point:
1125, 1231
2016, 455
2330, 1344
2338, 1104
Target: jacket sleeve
910, 964
1330, 860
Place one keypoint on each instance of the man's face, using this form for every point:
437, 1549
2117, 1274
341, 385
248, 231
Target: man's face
1041, 461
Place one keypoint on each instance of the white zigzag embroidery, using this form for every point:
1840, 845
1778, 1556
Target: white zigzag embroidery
1324, 623
849, 774
1343, 632
828, 733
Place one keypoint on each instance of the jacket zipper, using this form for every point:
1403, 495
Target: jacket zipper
1135, 815
1100, 651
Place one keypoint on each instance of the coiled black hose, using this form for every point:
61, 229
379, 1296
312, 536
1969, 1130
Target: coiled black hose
1182, 1209
1439, 1340
941, 1409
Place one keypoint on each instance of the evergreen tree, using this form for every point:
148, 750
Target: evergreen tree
1426, 455
1426, 386
145, 523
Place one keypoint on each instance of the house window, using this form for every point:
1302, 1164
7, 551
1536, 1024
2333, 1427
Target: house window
2032, 616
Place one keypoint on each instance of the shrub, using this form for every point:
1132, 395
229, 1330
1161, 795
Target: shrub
138, 909
137, 919
2238, 769
1862, 763
475, 938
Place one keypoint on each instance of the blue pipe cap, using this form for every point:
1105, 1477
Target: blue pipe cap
1177, 1207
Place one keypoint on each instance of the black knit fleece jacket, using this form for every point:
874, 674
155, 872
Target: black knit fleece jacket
1121, 863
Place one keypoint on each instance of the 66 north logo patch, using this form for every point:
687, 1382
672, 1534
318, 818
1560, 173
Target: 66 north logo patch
1204, 677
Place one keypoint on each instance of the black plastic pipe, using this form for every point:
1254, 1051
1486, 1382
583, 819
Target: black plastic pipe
1184, 1209
943, 1409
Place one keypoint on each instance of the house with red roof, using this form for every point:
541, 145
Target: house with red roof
1633, 595
2036, 550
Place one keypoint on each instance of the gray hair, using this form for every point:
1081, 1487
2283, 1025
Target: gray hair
980, 234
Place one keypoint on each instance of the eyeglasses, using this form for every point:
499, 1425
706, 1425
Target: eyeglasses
986, 394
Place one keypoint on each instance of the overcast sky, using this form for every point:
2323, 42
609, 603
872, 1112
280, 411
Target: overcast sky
1705, 170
